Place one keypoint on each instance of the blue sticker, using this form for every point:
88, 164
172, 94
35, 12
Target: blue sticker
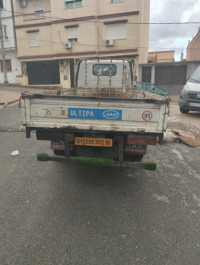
94, 114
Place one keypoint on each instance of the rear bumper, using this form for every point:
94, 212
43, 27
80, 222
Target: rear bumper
58, 134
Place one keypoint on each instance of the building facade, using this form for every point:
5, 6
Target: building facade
161, 56
53, 34
13, 65
193, 48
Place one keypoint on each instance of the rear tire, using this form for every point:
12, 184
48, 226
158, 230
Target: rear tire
184, 111
59, 152
137, 158
133, 158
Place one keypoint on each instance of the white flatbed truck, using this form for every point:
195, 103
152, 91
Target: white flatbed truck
108, 123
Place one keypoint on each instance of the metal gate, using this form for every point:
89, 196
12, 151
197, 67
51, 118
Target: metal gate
43, 73
146, 74
171, 75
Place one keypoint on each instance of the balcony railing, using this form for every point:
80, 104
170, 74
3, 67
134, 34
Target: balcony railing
34, 16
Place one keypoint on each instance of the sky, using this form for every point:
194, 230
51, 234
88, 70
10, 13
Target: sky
173, 37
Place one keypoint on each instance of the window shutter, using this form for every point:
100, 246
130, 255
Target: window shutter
116, 31
33, 39
72, 33
39, 7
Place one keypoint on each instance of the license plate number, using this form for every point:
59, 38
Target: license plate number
195, 104
102, 142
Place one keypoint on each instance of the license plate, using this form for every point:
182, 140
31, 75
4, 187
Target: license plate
83, 141
195, 104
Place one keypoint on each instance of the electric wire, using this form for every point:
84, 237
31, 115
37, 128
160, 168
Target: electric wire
98, 21
103, 45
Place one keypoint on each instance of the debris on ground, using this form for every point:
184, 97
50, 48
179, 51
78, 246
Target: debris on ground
15, 153
3, 105
178, 153
169, 136
187, 137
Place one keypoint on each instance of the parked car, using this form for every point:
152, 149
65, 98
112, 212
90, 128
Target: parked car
190, 95
152, 88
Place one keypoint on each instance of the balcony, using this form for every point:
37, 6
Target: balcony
35, 16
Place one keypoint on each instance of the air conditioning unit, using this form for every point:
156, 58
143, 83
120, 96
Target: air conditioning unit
68, 45
109, 42
23, 3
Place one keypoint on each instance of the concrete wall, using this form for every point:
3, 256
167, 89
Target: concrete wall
45, 47
193, 53
6, 15
28, 12
161, 57
84, 44
143, 40
13, 77
106, 7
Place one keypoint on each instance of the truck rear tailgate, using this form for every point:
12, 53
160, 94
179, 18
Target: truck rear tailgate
98, 114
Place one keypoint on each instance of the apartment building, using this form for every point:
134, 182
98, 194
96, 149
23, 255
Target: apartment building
13, 65
53, 34
193, 48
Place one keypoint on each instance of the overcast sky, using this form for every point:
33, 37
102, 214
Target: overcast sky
173, 37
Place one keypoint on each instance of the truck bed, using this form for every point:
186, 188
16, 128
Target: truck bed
129, 112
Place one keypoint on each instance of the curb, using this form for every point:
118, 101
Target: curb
31, 87
6, 104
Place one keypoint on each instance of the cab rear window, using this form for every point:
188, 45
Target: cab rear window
104, 69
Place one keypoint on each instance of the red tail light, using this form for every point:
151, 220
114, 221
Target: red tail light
139, 140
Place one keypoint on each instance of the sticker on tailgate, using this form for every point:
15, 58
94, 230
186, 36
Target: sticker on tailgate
94, 114
147, 115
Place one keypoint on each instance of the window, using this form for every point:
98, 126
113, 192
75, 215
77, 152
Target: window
72, 34
116, 1
22, 3
33, 38
73, 3
39, 10
116, 31
8, 65
5, 32
104, 69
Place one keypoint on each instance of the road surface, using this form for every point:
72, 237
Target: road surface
58, 213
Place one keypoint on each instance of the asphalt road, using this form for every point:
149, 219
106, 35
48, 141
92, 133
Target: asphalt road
60, 213
190, 121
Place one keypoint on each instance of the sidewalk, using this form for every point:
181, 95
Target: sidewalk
11, 94
174, 98
7, 97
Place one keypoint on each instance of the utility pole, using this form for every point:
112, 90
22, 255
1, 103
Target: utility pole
97, 26
2, 48
13, 20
